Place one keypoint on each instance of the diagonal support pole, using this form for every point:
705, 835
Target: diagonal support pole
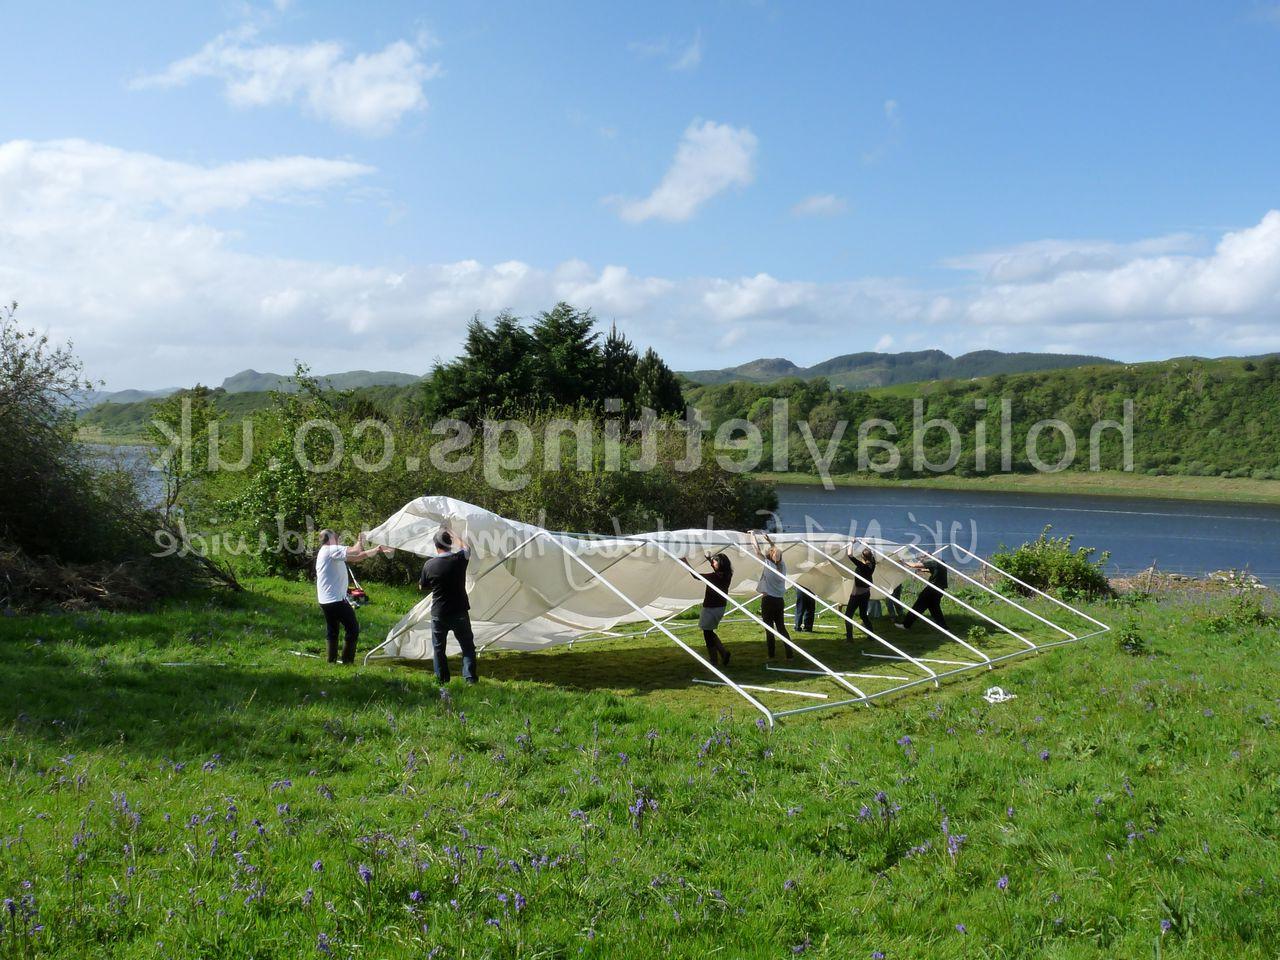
937, 626
768, 629
839, 613
671, 636
1048, 596
995, 593
952, 597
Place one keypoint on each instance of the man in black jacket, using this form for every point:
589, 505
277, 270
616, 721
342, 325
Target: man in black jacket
445, 577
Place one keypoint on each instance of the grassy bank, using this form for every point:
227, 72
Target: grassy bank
180, 784
1107, 483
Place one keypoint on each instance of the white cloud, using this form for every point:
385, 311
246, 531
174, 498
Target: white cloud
366, 92
1239, 280
114, 249
679, 57
893, 119
711, 158
1042, 259
691, 56
80, 178
820, 205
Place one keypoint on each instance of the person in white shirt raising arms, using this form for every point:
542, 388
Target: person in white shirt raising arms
331, 591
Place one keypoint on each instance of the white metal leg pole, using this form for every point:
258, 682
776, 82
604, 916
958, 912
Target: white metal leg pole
768, 629
870, 633
1047, 596
640, 610
974, 610
999, 596
937, 626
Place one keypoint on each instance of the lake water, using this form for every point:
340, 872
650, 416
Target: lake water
1181, 536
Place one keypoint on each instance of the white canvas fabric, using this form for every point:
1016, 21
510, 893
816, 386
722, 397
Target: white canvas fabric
526, 594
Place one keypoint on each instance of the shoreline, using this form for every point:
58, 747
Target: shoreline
1106, 483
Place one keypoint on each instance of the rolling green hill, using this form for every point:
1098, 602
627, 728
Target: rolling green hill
860, 370
1191, 417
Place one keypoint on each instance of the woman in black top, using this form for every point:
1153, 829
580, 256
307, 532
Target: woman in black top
930, 599
864, 566
713, 604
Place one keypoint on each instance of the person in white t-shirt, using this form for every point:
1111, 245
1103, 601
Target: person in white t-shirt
331, 591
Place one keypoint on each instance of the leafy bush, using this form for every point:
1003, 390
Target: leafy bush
1245, 610
1049, 563
73, 531
1130, 641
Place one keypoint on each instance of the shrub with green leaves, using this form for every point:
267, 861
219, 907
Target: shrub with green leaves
1049, 563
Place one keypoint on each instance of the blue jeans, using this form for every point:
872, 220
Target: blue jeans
805, 609
461, 627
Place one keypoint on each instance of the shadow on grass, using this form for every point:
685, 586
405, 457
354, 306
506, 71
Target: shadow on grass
144, 681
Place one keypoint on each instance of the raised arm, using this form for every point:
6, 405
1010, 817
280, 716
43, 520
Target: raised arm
359, 552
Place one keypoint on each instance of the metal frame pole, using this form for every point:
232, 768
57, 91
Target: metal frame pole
676, 640
991, 620
1047, 596
870, 633
768, 629
994, 593
937, 626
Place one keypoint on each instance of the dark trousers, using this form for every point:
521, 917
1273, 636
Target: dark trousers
930, 600
341, 613
715, 647
858, 602
461, 627
772, 612
806, 607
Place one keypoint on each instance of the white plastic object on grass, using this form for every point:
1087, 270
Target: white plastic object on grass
998, 695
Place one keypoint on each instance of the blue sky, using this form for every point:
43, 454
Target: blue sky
189, 190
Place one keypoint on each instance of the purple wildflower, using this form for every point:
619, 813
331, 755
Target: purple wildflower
1003, 883
1044, 755
318, 866
365, 873
520, 902
415, 896
324, 944
961, 928
1166, 925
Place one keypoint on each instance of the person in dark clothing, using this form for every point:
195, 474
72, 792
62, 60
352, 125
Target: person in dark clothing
806, 609
930, 599
713, 604
773, 592
331, 591
445, 577
864, 566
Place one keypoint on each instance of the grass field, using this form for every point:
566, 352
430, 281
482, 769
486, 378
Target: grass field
1105, 483
179, 784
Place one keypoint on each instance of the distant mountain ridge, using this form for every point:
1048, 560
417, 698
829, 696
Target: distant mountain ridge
251, 381
870, 369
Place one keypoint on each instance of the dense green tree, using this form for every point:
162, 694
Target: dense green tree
567, 371
657, 386
618, 369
